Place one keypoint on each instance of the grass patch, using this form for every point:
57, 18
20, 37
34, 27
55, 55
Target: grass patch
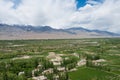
90, 74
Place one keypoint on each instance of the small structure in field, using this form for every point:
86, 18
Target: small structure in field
76, 55
82, 62
40, 78
55, 58
50, 70
23, 57
97, 62
61, 69
74, 69
21, 73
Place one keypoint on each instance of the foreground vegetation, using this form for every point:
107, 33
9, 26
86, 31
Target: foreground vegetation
77, 59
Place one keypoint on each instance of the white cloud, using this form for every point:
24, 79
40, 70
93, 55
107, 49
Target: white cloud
103, 16
63, 13
92, 2
55, 13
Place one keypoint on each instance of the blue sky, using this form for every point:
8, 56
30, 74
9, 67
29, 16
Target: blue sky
80, 3
17, 2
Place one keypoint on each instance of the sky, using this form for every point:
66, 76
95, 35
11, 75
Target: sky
90, 14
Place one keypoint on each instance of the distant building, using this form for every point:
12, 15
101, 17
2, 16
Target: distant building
50, 70
40, 78
82, 62
56, 61
98, 62
55, 58
21, 73
61, 69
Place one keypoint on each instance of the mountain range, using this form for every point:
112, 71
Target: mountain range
10, 32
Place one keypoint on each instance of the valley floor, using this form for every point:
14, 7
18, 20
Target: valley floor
60, 59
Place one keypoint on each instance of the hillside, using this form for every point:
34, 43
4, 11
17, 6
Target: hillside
47, 32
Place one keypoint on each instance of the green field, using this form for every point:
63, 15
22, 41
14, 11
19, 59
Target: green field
91, 74
12, 61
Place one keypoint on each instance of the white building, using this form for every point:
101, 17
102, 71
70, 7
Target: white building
55, 58
40, 78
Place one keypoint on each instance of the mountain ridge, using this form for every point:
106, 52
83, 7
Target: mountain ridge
41, 32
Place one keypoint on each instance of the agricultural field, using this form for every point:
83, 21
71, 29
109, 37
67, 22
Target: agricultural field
60, 59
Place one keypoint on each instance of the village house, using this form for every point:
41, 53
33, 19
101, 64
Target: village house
61, 69
50, 70
21, 73
82, 62
98, 62
40, 78
55, 59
